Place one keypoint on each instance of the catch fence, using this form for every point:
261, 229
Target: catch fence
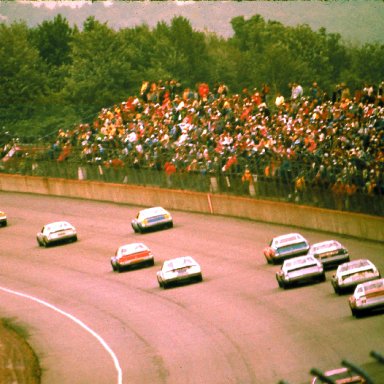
276, 187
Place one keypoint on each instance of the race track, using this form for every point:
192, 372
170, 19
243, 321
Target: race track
90, 325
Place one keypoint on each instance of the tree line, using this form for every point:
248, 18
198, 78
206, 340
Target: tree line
54, 76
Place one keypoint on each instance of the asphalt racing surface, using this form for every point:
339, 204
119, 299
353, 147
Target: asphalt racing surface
90, 325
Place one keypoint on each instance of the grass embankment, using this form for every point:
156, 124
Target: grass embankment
18, 361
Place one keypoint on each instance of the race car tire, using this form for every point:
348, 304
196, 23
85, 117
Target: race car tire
322, 278
357, 313
151, 263
337, 290
274, 261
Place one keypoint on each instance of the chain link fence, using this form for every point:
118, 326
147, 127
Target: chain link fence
278, 187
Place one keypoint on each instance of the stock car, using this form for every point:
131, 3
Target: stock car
56, 232
342, 375
131, 254
152, 218
330, 252
300, 269
286, 246
349, 275
3, 219
367, 297
178, 270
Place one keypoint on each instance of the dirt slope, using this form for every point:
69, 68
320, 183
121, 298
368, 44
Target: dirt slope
18, 362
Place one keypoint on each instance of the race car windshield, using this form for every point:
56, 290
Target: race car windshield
298, 268
291, 247
360, 273
178, 264
58, 228
355, 264
321, 247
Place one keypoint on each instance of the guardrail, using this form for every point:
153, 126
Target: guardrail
277, 187
361, 226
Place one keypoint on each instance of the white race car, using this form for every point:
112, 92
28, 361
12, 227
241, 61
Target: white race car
152, 218
56, 232
331, 253
367, 297
300, 269
284, 247
348, 275
131, 254
180, 269
3, 219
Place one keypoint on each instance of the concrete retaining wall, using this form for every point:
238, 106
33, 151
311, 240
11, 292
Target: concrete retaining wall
343, 223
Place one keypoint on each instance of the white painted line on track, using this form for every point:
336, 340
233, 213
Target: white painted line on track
77, 321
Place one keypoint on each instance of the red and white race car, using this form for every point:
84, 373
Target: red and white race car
131, 254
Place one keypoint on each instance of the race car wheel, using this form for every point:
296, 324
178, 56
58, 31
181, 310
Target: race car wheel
322, 278
170, 225
356, 313
337, 289
283, 285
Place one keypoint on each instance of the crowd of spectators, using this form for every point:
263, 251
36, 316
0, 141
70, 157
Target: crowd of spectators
310, 138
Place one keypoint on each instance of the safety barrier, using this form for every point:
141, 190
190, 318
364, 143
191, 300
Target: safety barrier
294, 215
282, 186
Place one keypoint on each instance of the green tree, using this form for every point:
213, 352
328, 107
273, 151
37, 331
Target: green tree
99, 74
188, 58
368, 63
21, 83
52, 39
225, 60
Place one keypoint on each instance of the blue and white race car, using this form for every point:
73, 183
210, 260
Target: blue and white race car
285, 247
152, 218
